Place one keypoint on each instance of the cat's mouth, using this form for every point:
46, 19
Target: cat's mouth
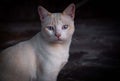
59, 39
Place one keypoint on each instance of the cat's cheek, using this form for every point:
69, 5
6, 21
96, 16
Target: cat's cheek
47, 32
71, 31
63, 37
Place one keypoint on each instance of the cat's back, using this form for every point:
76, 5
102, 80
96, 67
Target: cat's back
22, 50
18, 60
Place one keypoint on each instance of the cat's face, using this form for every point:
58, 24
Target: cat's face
57, 27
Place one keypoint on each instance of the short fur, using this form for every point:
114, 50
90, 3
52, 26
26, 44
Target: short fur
43, 56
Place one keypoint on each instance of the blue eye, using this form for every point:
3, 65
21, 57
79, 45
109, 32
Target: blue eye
50, 27
65, 27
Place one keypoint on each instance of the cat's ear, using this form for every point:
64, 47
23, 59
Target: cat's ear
43, 12
70, 10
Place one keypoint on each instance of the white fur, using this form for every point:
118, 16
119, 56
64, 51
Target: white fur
53, 58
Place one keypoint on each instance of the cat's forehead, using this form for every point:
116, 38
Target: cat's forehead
58, 18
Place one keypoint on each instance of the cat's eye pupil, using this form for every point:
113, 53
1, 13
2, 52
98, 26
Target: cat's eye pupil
50, 27
65, 27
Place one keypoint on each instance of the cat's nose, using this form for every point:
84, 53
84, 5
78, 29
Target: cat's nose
57, 35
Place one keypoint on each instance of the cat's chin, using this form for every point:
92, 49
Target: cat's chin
58, 41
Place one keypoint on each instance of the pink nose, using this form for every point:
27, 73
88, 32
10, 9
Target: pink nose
57, 35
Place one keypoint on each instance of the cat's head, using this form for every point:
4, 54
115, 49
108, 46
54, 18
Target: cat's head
57, 27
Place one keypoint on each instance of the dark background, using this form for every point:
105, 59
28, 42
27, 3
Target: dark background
95, 49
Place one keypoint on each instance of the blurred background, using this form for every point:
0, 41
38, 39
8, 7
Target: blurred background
95, 49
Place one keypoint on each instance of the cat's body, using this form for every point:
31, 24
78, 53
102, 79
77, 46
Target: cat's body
42, 57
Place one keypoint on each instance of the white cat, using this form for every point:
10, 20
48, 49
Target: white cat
42, 57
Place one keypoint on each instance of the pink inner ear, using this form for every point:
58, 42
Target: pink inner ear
41, 13
42, 17
72, 12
